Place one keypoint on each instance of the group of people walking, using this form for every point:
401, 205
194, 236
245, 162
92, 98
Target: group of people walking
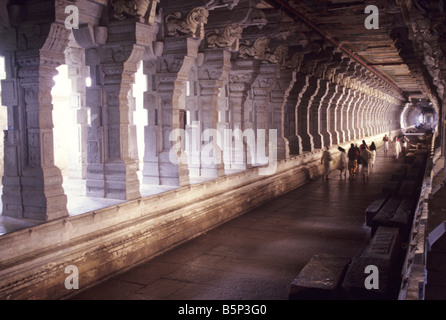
395, 145
363, 156
359, 160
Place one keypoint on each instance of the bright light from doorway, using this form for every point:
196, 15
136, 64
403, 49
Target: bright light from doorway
421, 118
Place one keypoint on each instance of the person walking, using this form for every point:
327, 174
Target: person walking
360, 159
365, 160
352, 161
396, 148
325, 160
386, 144
343, 163
364, 145
373, 157
404, 141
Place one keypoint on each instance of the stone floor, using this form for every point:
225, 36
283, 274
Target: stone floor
257, 255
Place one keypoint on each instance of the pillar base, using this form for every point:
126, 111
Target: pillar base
116, 179
37, 195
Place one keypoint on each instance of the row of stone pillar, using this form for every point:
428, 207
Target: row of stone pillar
191, 89
305, 112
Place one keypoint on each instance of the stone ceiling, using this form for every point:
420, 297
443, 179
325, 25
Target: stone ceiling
342, 22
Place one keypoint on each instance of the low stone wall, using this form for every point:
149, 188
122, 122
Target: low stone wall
110, 240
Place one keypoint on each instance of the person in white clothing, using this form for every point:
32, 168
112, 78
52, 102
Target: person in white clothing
325, 160
343, 163
386, 144
396, 148
373, 151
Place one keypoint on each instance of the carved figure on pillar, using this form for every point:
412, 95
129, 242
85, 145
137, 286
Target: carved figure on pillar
192, 24
230, 38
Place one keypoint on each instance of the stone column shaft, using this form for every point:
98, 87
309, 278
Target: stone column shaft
243, 73
32, 184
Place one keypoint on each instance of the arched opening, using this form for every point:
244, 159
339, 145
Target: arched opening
418, 116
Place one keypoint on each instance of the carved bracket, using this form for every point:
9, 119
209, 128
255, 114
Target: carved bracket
192, 24
230, 38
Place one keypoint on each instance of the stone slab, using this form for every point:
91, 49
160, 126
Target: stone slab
384, 245
383, 252
353, 285
388, 210
320, 279
401, 218
372, 210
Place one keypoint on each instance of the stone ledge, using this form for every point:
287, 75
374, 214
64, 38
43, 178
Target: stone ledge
383, 251
320, 279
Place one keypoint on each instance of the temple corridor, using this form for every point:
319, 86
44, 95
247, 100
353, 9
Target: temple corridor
163, 149
258, 255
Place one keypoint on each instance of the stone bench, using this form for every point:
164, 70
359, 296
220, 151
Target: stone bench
397, 214
372, 210
320, 279
384, 252
386, 211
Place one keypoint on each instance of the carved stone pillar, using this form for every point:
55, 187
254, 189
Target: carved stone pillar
351, 114
373, 108
180, 54
375, 113
303, 112
112, 167
326, 113
77, 72
367, 115
261, 105
152, 132
212, 75
289, 126
133, 141
32, 184
316, 114
295, 97
380, 125
336, 119
242, 75
359, 123
279, 101
343, 115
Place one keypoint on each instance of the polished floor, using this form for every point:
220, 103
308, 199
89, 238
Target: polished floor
257, 256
